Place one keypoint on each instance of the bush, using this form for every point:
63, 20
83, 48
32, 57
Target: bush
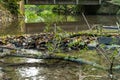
11, 5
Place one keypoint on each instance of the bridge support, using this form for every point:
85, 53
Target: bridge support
63, 2
21, 7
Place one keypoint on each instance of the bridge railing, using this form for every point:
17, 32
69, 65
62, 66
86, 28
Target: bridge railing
84, 2
92, 2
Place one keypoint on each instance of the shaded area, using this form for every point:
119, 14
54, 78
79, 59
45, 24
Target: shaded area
12, 28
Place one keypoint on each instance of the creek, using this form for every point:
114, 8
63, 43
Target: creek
73, 24
56, 69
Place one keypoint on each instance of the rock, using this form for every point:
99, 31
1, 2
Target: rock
12, 46
104, 40
92, 45
108, 40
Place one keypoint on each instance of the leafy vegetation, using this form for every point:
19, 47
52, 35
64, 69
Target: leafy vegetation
11, 5
37, 13
45, 13
116, 1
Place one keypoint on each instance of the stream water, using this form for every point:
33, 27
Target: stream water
56, 69
73, 24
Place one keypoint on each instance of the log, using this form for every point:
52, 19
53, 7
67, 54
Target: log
51, 56
24, 64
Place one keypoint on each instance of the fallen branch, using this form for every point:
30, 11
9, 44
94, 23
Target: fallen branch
51, 56
35, 64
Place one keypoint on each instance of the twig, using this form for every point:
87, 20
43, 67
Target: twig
96, 39
104, 55
118, 26
111, 66
86, 21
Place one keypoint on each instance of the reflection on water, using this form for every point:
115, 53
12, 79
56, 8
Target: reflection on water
76, 24
30, 73
30, 51
33, 60
56, 70
53, 70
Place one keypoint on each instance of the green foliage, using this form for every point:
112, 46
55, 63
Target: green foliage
11, 5
67, 9
116, 1
44, 13
39, 13
55, 46
31, 14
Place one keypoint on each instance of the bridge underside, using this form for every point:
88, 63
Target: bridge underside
62, 2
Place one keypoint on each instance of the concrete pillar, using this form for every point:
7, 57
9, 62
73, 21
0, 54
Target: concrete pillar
54, 1
100, 1
21, 8
77, 1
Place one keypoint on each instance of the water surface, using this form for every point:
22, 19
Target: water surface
76, 24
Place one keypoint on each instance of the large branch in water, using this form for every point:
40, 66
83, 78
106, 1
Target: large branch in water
24, 64
51, 56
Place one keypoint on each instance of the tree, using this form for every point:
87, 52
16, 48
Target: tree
11, 5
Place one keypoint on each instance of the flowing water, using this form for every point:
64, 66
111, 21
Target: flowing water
56, 69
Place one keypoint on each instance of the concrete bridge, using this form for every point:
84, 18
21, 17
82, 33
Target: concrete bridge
63, 2
89, 4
